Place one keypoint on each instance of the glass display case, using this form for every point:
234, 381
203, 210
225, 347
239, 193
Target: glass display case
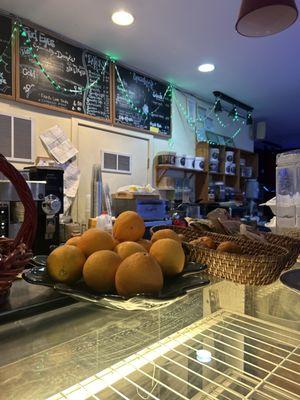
223, 341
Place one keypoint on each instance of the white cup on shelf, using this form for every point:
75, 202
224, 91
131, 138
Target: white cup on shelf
199, 163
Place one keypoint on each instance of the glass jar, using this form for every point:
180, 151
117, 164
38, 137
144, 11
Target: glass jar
288, 190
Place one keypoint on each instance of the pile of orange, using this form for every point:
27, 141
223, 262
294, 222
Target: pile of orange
122, 262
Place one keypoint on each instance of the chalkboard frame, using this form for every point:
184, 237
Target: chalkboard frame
71, 42
130, 127
11, 96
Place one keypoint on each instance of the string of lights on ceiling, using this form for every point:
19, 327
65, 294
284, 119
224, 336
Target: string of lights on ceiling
215, 109
235, 120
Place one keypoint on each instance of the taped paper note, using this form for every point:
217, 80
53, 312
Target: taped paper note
57, 144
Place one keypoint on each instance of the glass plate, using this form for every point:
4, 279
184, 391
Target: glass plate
190, 279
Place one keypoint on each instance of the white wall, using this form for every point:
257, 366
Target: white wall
42, 120
183, 139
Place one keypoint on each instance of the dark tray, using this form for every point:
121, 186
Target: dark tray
191, 278
291, 279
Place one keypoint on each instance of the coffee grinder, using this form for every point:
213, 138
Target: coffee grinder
47, 236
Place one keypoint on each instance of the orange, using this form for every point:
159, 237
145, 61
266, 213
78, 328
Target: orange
170, 256
129, 226
138, 273
73, 240
65, 264
95, 239
126, 249
145, 243
100, 269
164, 234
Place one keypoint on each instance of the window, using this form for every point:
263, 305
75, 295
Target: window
16, 138
115, 162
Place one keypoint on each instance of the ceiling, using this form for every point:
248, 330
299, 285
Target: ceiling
170, 38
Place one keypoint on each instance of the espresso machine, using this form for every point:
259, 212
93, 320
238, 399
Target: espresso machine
46, 185
12, 210
47, 236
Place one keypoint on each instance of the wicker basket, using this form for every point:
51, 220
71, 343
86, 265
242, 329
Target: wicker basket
289, 243
292, 244
259, 263
15, 253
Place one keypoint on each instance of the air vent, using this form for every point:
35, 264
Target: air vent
16, 138
116, 162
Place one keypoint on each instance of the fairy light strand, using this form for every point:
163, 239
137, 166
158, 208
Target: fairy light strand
53, 82
12, 36
131, 103
169, 91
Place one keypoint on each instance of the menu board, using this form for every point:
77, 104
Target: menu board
6, 64
142, 102
70, 67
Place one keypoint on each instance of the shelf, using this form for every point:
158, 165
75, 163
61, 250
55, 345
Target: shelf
174, 168
216, 173
165, 167
203, 150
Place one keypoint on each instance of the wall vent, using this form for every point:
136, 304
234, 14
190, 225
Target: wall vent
116, 162
16, 138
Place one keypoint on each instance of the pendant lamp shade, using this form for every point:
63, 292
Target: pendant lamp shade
265, 17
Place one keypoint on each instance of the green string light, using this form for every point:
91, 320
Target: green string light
192, 123
168, 92
135, 108
53, 82
12, 36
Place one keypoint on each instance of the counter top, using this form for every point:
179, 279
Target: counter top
251, 338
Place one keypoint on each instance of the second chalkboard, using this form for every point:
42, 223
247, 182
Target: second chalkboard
142, 102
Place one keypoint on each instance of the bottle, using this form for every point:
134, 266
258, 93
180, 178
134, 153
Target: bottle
104, 222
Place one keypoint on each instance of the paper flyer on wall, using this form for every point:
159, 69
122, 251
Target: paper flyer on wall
58, 144
71, 178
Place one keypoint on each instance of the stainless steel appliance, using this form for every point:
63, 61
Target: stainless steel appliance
49, 209
148, 208
12, 210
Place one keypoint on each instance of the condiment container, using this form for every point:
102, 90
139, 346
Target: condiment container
166, 157
189, 161
229, 156
199, 163
228, 167
214, 166
180, 160
214, 154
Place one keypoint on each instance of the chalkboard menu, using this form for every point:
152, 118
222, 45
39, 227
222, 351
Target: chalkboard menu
141, 102
70, 67
6, 65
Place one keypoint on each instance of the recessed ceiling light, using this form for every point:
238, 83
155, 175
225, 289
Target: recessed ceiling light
206, 67
123, 18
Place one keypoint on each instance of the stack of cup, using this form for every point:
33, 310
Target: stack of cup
230, 166
214, 159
